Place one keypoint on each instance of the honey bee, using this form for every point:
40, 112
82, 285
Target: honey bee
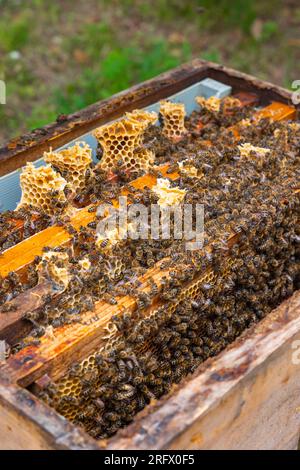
125, 392
151, 351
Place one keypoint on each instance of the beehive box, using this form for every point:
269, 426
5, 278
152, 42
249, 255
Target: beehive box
245, 397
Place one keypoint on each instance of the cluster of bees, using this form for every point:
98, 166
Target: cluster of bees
249, 263
33, 221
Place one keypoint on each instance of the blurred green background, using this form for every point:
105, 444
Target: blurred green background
61, 55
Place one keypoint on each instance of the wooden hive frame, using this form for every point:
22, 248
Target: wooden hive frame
78, 341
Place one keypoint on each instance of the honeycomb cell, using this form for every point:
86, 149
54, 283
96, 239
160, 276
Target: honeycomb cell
54, 266
43, 188
246, 150
213, 104
173, 120
122, 142
168, 196
73, 163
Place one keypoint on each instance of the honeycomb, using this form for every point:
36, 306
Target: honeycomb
213, 104
192, 291
168, 196
173, 120
295, 126
43, 188
140, 117
245, 123
85, 264
143, 119
72, 162
114, 268
54, 266
187, 168
246, 150
122, 142
105, 241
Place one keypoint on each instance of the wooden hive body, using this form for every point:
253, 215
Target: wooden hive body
220, 405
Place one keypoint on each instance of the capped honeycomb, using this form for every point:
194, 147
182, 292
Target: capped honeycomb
43, 188
122, 142
173, 120
72, 162
54, 266
168, 196
176, 328
246, 150
295, 126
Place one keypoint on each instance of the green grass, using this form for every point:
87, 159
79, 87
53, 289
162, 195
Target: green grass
60, 56
15, 35
112, 74
240, 14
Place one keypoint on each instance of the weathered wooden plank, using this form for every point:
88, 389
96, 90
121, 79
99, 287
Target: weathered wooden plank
247, 397
12, 324
27, 423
